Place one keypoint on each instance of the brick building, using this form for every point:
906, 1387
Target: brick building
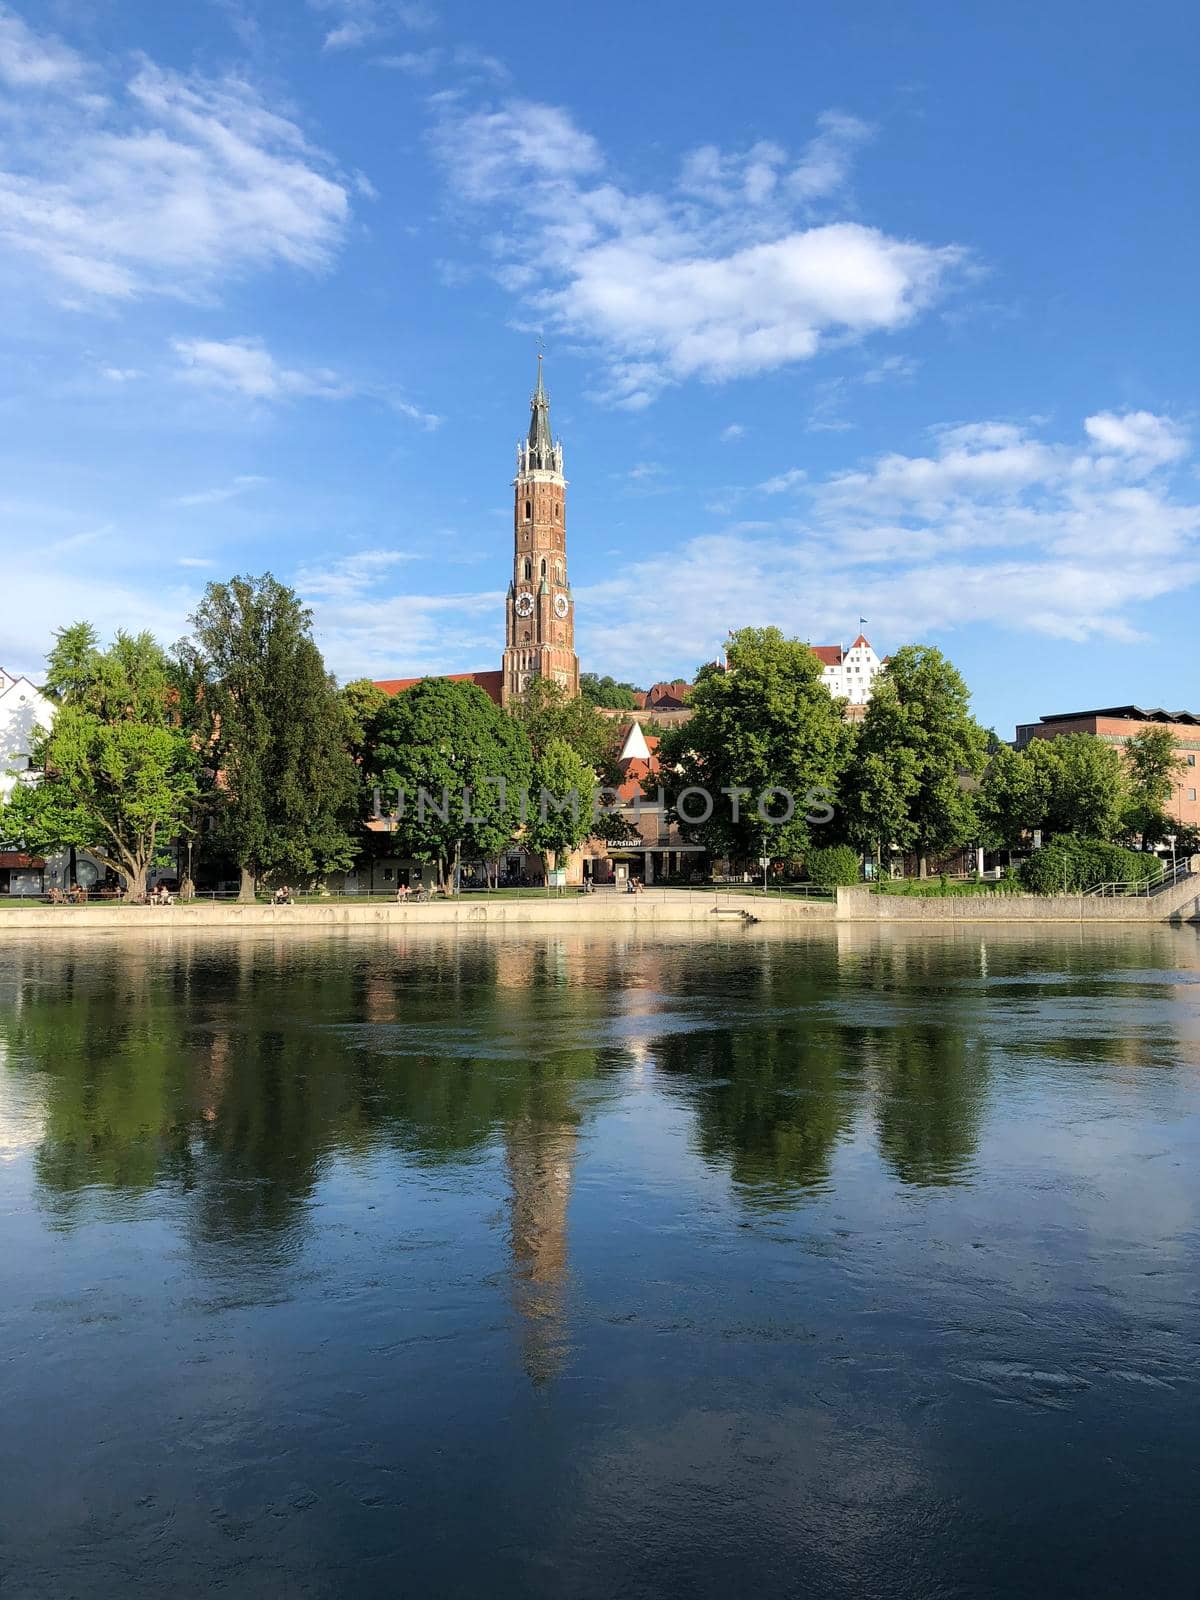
1116, 725
539, 611
539, 637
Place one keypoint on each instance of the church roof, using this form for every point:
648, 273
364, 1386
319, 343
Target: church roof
635, 747
490, 682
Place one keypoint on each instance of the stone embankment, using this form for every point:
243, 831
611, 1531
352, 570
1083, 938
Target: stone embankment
653, 907
1179, 904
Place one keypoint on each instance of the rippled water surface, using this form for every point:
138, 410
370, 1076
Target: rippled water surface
847, 1265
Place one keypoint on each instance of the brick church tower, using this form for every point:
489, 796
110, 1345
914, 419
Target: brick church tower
539, 639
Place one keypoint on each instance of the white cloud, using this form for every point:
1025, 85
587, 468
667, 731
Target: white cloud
995, 526
403, 635
350, 575
246, 367
726, 276
735, 430
216, 496
359, 21
1138, 433
417, 63
478, 64
168, 186
782, 482
493, 151
109, 601
32, 61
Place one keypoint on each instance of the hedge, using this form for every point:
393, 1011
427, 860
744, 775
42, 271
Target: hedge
835, 865
1068, 865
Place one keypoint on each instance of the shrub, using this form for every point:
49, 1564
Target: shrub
1068, 865
838, 864
945, 889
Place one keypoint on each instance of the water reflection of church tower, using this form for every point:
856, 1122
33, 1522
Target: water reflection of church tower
540, 1155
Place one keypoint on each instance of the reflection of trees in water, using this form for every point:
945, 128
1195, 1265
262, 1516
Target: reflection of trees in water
770, 1102
929, 1086
776, 1090
232, 1074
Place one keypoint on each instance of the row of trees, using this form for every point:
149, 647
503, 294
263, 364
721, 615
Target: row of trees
918, 774
238, 747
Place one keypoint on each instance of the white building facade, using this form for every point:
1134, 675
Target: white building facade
849, 674
23, 707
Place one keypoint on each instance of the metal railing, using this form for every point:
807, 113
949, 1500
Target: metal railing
1143, 887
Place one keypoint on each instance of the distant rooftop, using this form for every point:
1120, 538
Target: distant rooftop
489, 682
1127, 714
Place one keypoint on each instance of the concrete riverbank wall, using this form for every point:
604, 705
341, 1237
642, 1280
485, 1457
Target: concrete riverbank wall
1178, 904
655, 908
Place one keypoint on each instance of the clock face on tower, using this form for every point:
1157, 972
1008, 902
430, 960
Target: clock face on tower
524, 605
560, 605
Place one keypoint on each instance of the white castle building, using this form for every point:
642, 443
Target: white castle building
23, 707
849, 674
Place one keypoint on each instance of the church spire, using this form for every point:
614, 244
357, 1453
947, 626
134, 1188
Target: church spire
541, 453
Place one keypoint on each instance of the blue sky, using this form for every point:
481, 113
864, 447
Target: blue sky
858, 310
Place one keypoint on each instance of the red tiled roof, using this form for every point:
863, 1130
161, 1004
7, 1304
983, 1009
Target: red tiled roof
829, 655
13, 860
860, 642
490, 682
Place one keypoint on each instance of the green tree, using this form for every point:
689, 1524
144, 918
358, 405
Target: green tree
1152, 764
608, 692
118, 772
362, 702
72, 663
457, 770
919, 752
1012, 799
547, 713
287, 782
768, 723
1083, 783
561, 802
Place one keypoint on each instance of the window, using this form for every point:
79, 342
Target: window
1191, 794
528, 568
543, 566
1191, 761
528, 510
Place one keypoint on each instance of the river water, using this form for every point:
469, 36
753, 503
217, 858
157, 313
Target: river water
858, 1263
